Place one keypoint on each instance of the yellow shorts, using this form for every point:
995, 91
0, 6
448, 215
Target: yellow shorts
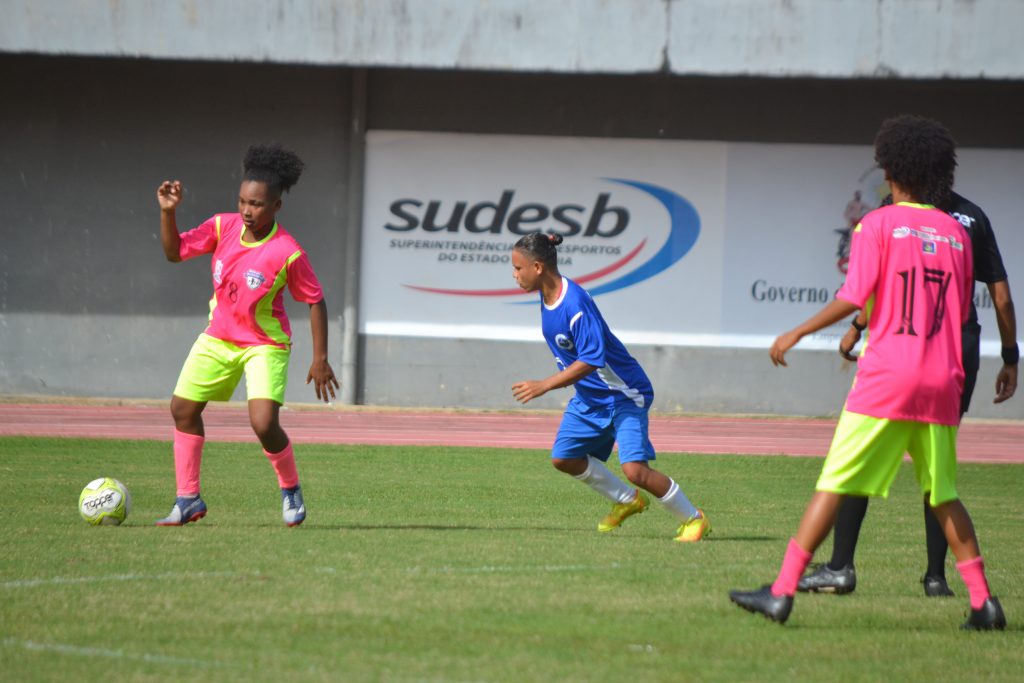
866, 453
214, 368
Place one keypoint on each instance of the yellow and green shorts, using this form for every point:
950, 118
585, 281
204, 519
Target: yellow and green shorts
866, 453
214, 368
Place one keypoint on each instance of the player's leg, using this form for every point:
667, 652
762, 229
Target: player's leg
934, 580
189, 436
210, 373
934, 453
266, 377
986, 612
775, 600
863, 460
839, 575
582, 447
265, 419
635, 454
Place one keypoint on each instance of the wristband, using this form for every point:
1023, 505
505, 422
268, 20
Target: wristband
859, 328
1011, 354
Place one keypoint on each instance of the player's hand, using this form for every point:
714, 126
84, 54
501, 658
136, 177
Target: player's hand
526, 391
169, 194
783, 343
1006, 383
847, 343
322, 376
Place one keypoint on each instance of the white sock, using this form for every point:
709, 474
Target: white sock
676, 502
601, 479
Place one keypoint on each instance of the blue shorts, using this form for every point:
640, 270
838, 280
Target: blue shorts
593, 430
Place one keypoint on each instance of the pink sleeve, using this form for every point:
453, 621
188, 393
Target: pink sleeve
865, 261
302, 282
199, 240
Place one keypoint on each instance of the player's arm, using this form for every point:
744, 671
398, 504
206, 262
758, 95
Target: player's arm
168, 195
857, 325
320, 372
1006, 320
528, 390
836, 310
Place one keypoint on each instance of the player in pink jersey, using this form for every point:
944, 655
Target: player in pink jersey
911, 269
253, 260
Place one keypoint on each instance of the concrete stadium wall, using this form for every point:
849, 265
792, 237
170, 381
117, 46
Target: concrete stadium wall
89, 307
838, 38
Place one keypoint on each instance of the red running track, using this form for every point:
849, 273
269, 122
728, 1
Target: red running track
993, 442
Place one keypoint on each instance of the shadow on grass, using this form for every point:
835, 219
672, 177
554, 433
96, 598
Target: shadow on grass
432, 527
318, 526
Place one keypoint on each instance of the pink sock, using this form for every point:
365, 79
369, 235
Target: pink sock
188, 455
973, 573
793, 566
284, 465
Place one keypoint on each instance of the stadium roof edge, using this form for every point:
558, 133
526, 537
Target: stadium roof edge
760, 38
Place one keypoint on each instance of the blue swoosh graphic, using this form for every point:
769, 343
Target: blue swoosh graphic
682, 236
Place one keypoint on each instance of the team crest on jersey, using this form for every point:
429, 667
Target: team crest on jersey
928, 247
563, 342
254, 278
218, 271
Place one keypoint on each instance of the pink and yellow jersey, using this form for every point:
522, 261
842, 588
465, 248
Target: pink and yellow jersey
911, 270
247, 306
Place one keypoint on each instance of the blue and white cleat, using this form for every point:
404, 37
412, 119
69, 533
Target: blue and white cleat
185, 510
293, 509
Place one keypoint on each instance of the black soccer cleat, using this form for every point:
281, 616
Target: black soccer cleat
989, 618
827, 580
936, 587
762, 601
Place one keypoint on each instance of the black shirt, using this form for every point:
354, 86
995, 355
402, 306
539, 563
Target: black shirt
988, 263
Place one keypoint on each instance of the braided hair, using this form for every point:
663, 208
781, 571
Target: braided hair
274, 165
541, 246
919, 154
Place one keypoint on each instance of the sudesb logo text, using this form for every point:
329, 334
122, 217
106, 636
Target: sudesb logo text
600, 220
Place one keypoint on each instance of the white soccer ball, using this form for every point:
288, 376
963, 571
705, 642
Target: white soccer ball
104, 501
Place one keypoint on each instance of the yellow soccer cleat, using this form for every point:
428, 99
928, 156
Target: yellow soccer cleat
620, 511
694, 530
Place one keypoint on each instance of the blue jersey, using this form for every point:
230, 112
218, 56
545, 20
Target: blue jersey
575, 330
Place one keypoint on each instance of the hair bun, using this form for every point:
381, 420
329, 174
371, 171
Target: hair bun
555, 238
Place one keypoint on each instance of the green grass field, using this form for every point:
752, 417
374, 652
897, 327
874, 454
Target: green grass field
443, 564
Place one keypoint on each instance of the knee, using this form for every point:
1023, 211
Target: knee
635, 475
264, 428
573, 466
184, 413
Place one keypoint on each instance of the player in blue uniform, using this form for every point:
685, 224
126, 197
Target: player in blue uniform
613, 395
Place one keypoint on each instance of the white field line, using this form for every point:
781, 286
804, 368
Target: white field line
177, 576
105, 653
68, 580
513, 569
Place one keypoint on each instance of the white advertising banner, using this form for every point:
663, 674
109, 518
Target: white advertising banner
680, 242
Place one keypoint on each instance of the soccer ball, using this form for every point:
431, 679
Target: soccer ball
104, 501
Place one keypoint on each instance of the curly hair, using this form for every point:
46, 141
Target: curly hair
274, 165
918, 154
541, 247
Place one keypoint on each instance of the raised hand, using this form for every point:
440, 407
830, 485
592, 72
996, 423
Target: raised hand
169, 194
